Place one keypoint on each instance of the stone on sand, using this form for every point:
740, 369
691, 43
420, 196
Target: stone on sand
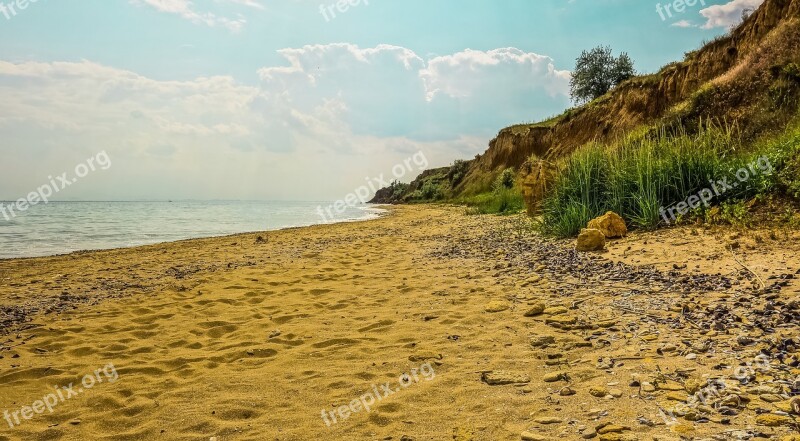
496, 306
548, 420
542, 341
536, 309
610, 224
499, 378
590, 240
530, 436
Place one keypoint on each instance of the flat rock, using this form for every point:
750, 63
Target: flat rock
499, 378
548, 420
536, 309
541, 341
496, 306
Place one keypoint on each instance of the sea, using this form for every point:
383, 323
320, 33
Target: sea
64, 227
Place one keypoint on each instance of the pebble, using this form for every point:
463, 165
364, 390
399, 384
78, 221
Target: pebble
499, 378
773, 420
536, 309
566, 392
496, 306
530, 436
548, 420
542, 341
552, 377
555, 310
598, 392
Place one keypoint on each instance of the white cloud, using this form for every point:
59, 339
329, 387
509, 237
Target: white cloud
330, 113
390, 90
251, 3
187, 10
729, 14
682, 24
464, 74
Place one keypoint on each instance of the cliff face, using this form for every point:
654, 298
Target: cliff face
731, 80
642, 100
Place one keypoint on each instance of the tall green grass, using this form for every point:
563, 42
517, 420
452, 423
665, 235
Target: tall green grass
500, 201
638, 176
505, 197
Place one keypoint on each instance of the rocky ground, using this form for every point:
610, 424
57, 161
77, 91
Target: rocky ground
711, 352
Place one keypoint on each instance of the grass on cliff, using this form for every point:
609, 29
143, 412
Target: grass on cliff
505, 197
504, 201
640, 175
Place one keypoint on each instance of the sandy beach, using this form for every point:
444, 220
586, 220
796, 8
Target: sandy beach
458, 327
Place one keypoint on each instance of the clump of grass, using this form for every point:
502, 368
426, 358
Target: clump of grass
506, 201
784, 155
504, 198
637, 177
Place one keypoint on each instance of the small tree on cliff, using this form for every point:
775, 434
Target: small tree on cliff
597, 71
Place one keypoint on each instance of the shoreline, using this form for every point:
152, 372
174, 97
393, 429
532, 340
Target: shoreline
382, 211
15, 313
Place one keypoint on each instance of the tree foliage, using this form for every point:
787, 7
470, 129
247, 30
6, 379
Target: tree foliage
597, 71
457, 171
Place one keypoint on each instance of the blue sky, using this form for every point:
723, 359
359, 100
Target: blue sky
272, 99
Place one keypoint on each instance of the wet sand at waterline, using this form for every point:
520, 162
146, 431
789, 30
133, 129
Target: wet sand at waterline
252, 337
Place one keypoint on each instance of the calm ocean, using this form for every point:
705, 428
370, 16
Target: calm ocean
64, 227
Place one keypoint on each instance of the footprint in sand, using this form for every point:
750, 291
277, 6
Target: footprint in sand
390, 407
341, 305
29, 374
340, 385
379, 420
83, 351
335, 342
289, 341
262, 353
218, 329
237, 414
381, 325
287, 318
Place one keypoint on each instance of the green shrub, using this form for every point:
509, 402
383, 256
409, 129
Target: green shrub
457, 172
431, 191
505, 180
398, 189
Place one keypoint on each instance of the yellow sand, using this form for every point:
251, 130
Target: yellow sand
230, 339
352, 303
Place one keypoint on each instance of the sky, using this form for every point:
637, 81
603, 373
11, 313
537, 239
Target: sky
296, 99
